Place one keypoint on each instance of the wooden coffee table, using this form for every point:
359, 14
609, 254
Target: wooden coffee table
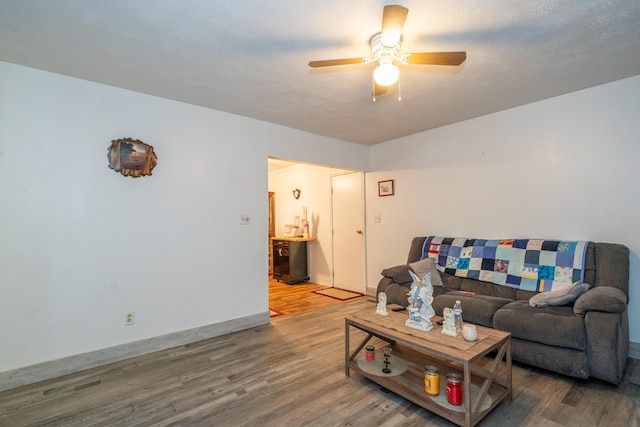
483, 388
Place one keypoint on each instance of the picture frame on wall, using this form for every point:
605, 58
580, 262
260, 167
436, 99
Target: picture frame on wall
385, 188
131, 157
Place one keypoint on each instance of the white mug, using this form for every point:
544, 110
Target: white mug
469, 332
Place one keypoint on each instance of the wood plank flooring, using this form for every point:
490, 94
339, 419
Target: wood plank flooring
290, 373
298, 298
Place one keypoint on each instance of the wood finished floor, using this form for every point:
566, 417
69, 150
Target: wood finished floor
298, 298
290, 373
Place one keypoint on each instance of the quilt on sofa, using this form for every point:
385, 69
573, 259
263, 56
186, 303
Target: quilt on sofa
527, 264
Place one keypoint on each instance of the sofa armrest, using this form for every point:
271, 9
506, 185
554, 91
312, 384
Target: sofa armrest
601, 298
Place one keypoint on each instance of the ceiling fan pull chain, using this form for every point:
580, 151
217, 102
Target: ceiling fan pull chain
373, 91
399, 90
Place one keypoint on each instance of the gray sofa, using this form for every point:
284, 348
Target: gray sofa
587, 338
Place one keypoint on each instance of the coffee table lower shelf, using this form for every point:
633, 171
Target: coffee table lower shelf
496, 383
410, 385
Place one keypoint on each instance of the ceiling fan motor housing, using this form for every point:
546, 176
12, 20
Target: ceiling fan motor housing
381, 53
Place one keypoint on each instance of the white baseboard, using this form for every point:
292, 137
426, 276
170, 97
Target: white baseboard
634, 350
68, 365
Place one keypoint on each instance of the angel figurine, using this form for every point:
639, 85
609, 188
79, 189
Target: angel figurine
381, 308
420, 298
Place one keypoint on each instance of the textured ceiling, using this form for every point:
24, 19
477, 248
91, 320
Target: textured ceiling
249, 57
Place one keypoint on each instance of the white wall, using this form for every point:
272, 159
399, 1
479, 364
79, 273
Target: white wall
315, 185
81, 244
565, 167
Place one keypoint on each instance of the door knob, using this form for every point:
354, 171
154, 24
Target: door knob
359, 231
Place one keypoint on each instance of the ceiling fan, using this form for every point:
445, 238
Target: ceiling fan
385, 50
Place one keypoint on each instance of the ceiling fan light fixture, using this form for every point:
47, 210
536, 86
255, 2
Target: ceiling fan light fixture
386, 74
385, 51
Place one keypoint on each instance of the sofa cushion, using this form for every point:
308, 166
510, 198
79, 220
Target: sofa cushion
399, 274
556, 326
424, 267
478, 309
560, 297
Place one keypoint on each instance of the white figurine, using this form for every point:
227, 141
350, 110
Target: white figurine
448, 322
420, 299
381, 309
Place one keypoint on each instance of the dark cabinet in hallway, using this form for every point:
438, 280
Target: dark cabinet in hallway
290, 260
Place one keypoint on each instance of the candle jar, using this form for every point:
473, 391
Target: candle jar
431, 380
469, 332
370, 355
454, 389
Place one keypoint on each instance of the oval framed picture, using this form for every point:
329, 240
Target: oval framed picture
131, 157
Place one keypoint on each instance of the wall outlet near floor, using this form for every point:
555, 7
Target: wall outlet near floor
245, 219
129, 318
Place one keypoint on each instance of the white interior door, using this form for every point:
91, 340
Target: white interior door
348, 232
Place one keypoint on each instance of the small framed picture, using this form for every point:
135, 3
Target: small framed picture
385, 188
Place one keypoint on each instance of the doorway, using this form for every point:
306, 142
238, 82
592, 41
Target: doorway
349, 269
314, 183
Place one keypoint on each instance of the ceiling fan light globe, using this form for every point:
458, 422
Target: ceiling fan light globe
386, 74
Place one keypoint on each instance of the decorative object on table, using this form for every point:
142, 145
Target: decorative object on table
431, 380
296, 193
375, 366
381, 308
370, 354
454, 389
305, 223
290, 230
469, 332
385, 188
448, 324
420, 298
131, 157
387, 354
397, 323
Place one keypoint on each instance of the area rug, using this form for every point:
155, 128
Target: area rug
340, 294
275, 313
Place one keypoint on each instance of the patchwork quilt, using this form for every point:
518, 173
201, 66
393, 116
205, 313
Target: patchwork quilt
527, 264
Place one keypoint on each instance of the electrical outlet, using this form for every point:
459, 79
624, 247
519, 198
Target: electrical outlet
245, 219
129, 318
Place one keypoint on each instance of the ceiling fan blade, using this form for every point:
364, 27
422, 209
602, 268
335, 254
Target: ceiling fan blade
436, 58
393, 17
378, 90
332, 62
